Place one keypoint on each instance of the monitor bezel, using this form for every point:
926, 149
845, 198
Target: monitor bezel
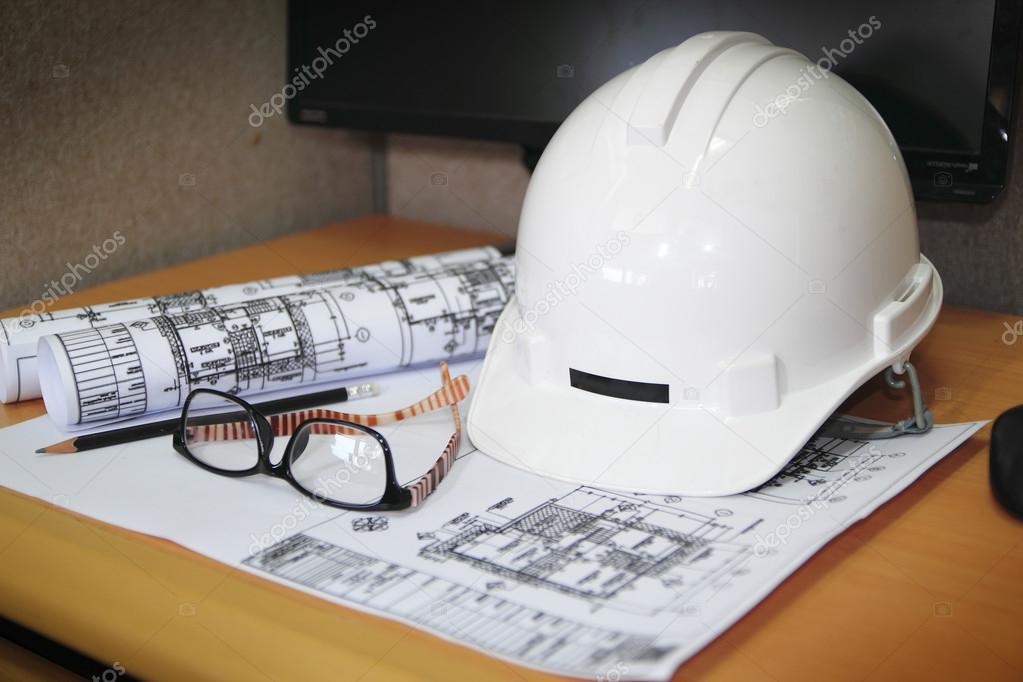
943, 176
978, 177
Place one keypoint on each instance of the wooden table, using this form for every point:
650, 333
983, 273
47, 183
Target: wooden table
929, 587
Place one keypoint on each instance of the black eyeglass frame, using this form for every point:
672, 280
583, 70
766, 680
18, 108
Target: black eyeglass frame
395, 496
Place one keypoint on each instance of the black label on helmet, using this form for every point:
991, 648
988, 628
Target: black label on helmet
618, 388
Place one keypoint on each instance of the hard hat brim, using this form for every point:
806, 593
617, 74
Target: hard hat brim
678, 448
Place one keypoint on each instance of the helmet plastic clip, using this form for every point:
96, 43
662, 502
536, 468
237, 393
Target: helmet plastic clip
920, 421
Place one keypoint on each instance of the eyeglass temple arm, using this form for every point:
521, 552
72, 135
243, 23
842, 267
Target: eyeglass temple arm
427, 483
450, 393
283, 424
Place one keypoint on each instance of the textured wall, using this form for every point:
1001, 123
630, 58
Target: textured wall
133, 117
467, 183
977, 249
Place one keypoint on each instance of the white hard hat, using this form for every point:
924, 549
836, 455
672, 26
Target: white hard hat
717, 247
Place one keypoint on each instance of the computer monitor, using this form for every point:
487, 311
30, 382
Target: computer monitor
940, 72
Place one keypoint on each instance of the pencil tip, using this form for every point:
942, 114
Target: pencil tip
65, 447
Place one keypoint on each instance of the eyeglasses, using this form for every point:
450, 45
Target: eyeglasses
334, 457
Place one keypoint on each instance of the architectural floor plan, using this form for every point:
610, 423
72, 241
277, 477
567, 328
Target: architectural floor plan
603, 546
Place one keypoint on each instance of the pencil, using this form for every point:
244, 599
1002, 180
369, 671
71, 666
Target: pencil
166, 427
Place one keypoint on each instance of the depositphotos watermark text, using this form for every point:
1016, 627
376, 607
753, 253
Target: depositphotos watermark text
307, 73
819, 70
73, 275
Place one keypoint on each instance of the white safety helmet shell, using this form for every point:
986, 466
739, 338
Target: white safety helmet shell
717, 247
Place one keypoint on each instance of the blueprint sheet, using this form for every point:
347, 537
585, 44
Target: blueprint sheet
564, 578
367, 325
19, 336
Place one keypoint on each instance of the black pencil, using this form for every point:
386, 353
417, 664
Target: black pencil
166, 427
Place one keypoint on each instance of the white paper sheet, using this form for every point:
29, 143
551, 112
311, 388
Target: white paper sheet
563, 578
367, 325
19, 336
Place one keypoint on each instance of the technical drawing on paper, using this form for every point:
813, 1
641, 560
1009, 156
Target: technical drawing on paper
373, 325
370, 524
19, 335
590, 580
601, 546
98, 315
107, 369
445, 605
541, 572
821, 469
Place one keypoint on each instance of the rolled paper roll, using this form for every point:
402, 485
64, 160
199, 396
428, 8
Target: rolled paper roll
19, 335
321, 334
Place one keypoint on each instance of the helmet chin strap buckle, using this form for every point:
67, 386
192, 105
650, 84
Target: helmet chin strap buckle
920, 421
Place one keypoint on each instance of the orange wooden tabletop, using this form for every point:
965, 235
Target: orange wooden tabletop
928, 587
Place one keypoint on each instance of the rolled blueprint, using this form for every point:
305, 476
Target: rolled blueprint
20, 335
361, 327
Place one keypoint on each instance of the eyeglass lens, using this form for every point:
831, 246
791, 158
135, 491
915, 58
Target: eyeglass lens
220, 433
339, 463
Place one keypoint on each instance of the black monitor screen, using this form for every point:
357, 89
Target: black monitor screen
515, 70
